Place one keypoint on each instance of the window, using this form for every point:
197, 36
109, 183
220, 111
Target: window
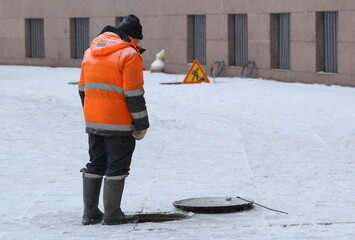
118, 20
79, 36
238, 39
280, 31
196, 38
327, 41
34, 38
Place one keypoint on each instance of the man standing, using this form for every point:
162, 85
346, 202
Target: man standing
111, 90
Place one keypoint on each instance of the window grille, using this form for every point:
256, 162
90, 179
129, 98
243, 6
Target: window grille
80, 37
118, 20
241, 39
284, 40
35, 38
330, 31
198, 38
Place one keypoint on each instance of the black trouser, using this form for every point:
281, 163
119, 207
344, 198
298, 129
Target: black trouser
110, 155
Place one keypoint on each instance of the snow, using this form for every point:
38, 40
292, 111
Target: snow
288, 146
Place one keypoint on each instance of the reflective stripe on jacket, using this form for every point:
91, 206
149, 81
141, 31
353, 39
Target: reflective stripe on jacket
112, 82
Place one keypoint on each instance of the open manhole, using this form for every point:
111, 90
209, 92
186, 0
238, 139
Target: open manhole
160, 217
171, 83
213, 204
73, 83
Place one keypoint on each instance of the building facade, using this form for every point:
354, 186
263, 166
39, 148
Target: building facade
289, 40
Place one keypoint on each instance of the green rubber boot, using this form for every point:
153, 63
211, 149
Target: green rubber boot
91, 194
113, 214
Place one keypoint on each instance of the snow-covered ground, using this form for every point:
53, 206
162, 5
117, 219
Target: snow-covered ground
287, 146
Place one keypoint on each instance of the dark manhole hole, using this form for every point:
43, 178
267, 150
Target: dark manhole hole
160, 217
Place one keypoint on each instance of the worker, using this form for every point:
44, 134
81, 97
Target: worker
112, 94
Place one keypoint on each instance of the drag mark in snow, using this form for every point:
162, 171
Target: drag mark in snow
40, 196
313, 224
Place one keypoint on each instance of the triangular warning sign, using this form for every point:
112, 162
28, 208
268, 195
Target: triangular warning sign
196, 74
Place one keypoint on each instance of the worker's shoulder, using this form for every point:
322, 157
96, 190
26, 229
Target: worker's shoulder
130, 52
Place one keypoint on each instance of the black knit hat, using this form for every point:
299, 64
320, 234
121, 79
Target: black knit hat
131, 26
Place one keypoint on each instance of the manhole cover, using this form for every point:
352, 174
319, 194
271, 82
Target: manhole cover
213, 204
160, 217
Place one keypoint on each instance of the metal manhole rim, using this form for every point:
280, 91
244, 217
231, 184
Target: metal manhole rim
219, 204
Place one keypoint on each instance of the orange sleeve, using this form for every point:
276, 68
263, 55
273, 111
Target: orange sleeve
82, 80
133, 72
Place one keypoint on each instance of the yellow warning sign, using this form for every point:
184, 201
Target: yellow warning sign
196, 74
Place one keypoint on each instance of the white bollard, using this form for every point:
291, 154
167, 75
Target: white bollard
158, 64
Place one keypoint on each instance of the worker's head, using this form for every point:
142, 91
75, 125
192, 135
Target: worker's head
131, 26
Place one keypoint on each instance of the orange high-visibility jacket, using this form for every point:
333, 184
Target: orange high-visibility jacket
111, 84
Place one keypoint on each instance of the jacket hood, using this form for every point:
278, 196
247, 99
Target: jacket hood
107, 43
